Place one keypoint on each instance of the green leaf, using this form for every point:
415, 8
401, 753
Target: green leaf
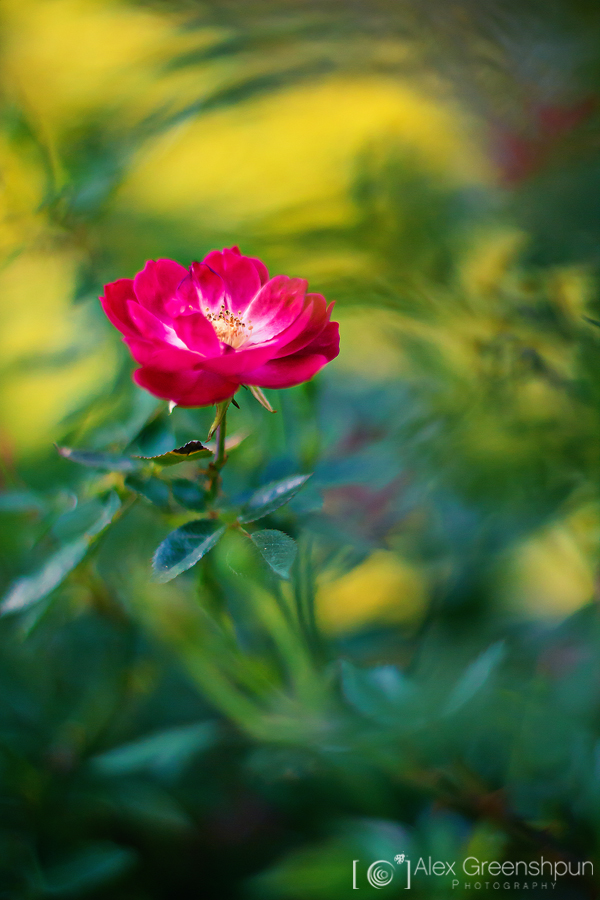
188, 494
155, 438
474, 677
164, 752
277, 549
184, 547
93, 865
113, 504
96, 460
379, 693
21, 501
29, 590
143, 802
270, 497
191, 450
74, 522
153, 489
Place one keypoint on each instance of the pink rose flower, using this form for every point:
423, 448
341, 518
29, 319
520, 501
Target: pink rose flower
200, 333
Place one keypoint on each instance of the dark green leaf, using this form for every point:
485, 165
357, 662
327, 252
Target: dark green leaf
98, 460
188, 494
29, 590
379, 693
93, 865
475, 676
165, 751
155, 438
153, 489
277, 549
184, 547
270, 497
144, 802
189, 451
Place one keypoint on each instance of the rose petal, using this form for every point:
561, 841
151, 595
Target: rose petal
203, 290
275, 307
157, 283
186, 299
294, 330
232, 363
319, 318
198, 334
149, 327
292, 370
263, 272
185, 388
240, 277
157, 343
114, 304
235, 363
161, 355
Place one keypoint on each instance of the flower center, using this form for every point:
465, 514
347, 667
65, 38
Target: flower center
229, 328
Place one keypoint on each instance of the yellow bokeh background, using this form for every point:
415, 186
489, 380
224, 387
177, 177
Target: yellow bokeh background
289, 155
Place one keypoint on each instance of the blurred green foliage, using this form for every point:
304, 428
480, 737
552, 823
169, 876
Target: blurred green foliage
404, 658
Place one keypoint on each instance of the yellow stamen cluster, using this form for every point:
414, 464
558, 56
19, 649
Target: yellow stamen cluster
229, 328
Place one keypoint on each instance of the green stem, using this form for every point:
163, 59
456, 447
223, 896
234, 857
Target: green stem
305, 602
220, 458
